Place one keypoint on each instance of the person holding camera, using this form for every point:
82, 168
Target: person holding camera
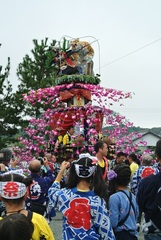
37, 199
7, 161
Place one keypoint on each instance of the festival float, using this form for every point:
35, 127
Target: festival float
76, 99
76, 80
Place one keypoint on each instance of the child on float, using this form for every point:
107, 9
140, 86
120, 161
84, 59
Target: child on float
123, 208
82, 201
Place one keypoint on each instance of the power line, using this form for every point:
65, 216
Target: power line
138, 49
139, 110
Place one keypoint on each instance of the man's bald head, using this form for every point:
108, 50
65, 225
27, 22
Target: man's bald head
35, 166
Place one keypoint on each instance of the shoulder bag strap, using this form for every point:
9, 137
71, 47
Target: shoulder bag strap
130, 199
125, 218
30, 215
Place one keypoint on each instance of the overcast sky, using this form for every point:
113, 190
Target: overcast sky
128, 33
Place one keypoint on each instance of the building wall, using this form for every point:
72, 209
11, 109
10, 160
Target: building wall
149, 138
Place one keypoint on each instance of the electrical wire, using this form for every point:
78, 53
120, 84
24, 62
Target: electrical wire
137, 50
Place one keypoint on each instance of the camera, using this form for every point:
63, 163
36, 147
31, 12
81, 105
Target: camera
41, 160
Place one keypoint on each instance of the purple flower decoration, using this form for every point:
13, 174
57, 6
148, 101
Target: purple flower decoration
111, 175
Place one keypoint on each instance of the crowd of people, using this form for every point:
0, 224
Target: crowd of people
99, 198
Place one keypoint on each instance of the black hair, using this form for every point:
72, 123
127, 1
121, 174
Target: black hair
16, 227
81, 135
42, 154
99, 145
127, 161
70, 127
123, 177
96, 182
119, 154
133, 156
158, 149
5, 155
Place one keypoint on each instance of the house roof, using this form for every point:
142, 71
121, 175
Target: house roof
150, 137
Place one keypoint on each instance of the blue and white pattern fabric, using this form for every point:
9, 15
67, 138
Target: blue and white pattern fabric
84, 214
141, 173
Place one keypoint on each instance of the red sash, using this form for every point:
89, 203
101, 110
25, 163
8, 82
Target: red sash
106, 168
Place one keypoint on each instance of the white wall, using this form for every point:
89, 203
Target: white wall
149, 138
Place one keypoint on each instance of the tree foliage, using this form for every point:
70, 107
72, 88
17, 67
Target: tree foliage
35, 72
9, 113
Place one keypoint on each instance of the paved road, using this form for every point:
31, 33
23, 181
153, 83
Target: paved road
56, 224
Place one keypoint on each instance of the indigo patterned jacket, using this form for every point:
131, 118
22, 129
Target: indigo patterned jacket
141, 173
84, 214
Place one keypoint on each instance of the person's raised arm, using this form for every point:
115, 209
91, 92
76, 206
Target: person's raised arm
63, 166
